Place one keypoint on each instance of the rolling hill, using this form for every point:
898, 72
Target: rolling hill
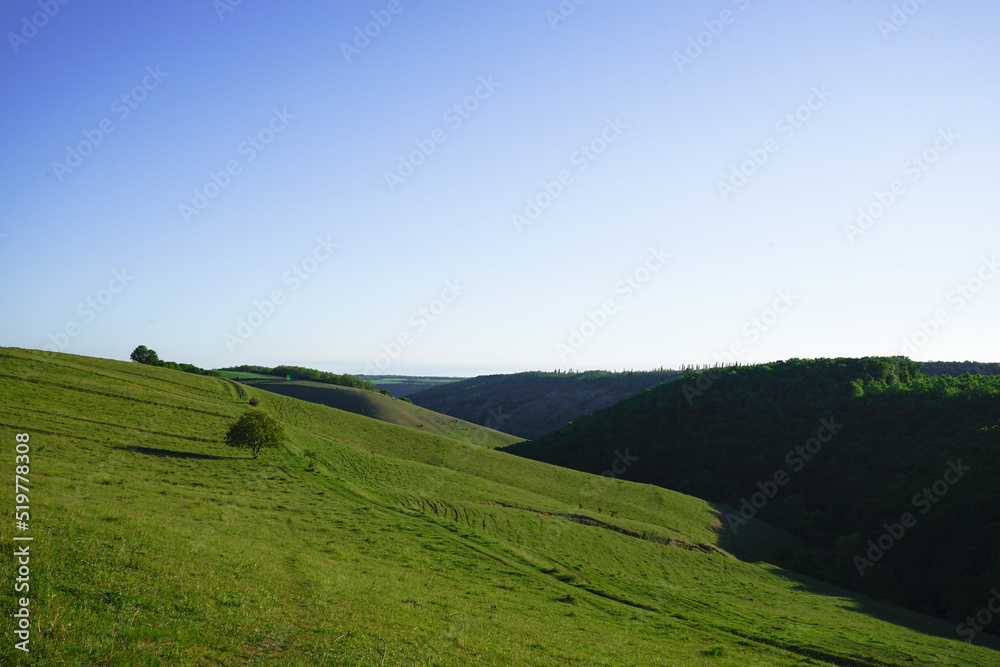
534, 403
154, 544
384, 408
893, 476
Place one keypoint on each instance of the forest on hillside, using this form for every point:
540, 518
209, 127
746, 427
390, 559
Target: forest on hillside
851, 455
956, 368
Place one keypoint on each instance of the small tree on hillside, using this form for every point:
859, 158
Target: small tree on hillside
255, 430
144, 355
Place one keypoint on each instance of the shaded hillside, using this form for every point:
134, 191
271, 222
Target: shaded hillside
405, 385
534, 403
837, 452
359, 542
387, 409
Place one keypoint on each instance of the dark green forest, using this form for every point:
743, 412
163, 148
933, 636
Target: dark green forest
956, 368
892, 476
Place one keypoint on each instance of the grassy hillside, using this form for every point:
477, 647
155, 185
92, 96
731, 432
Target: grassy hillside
156, 545
534, 403
240, 375
837, 451
385, 408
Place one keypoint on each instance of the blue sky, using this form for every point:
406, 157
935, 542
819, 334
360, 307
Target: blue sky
500, 186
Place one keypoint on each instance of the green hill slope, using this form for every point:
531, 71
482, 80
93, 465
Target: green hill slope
534, 403
844, 453
387, 409
156, 545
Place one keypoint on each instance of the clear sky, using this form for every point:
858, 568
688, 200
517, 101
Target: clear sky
500, 185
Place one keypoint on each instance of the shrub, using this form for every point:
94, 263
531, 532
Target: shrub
255, 430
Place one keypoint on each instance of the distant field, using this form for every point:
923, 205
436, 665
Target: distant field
400, 385
236, 375
360, 543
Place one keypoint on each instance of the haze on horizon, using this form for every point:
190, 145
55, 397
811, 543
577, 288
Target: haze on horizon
500, 186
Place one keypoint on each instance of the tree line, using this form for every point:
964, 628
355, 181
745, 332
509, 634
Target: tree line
144, 355
310, 375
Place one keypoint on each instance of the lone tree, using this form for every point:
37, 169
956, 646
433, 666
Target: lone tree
144, 355
254, 430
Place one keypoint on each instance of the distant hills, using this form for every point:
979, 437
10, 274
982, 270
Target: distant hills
534, 403
403, 385
892, 475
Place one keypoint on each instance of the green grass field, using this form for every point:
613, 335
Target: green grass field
238, 375
154, 544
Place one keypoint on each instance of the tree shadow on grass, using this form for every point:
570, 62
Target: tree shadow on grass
154, 451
